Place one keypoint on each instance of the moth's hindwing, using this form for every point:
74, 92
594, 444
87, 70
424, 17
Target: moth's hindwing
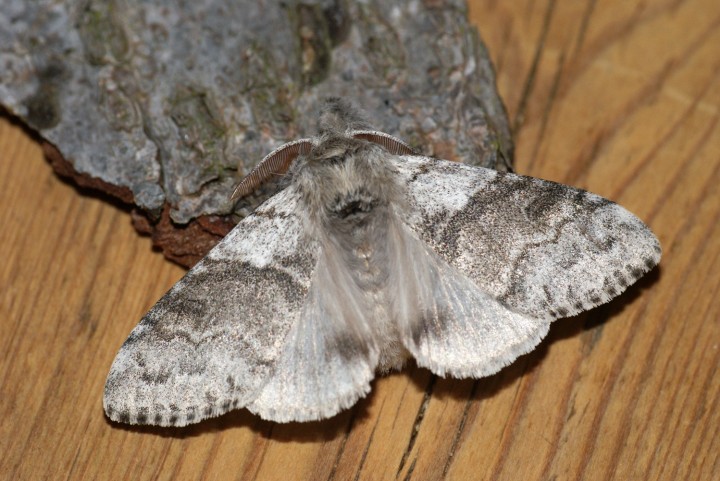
330, 355
449, 323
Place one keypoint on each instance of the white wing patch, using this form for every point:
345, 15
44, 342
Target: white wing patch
257, 242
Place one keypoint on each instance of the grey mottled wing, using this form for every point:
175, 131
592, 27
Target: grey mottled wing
330, 355
544, 249
212, 342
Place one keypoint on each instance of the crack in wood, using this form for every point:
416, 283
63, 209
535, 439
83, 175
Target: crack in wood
363, 458
459, 431
530, 81
416, 425
341, 450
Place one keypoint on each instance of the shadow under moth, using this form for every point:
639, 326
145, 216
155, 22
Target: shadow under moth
368, 256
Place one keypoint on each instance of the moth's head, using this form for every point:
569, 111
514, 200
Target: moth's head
343, 134
345, 179
338, 117
335, 150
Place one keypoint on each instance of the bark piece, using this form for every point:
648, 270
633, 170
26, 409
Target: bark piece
168, 107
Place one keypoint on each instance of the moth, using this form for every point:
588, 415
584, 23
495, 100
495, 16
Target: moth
368, 256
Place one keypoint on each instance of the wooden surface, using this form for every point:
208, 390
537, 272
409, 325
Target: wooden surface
618, 97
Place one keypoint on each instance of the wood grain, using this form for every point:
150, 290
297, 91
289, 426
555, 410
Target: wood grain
618, 97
